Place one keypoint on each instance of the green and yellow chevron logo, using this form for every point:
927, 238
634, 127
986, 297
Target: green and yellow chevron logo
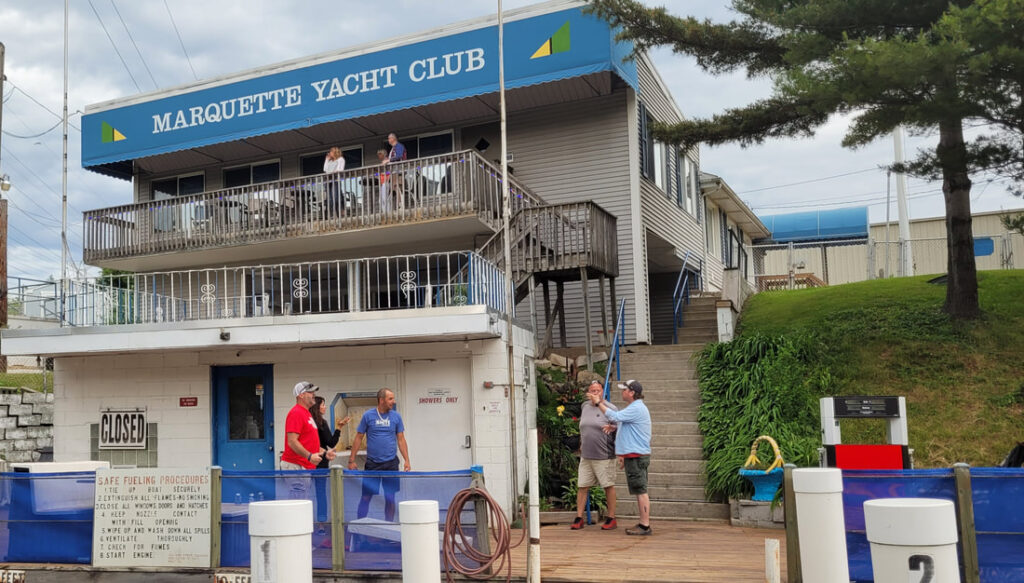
558, 43
109, 134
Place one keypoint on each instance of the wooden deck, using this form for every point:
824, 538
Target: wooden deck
678, 551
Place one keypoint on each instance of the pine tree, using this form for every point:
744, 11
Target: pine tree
932, 66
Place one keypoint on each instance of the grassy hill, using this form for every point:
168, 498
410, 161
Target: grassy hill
964, 383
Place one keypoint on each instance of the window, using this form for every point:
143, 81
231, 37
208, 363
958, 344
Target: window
428, 145
178, 186
688, 188
709, 229
311, 164
660, 161
252, 174
647, 164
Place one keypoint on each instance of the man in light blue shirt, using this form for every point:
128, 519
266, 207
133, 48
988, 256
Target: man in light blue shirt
633, 445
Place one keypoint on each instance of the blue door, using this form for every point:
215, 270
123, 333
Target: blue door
243, 417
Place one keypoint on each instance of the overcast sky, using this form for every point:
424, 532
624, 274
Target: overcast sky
222, 36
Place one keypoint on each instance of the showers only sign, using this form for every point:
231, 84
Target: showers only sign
152, 517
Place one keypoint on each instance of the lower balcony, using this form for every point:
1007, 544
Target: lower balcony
305, 216
433, 296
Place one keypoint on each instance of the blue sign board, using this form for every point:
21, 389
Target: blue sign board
984, 246
538, 49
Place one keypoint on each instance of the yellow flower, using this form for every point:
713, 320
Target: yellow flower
560, 409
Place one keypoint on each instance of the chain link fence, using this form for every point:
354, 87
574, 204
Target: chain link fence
821, 263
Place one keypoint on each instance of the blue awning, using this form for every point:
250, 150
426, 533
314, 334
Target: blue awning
538, 49
844, 223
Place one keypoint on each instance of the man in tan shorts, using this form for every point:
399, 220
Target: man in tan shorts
597, 457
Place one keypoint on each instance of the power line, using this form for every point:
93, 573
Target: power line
181, 42
40, 104
822, 179
131, 38
873, 201
40, 134
104, 26
36, 176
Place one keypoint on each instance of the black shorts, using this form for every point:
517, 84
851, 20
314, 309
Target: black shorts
372, 486
636, 474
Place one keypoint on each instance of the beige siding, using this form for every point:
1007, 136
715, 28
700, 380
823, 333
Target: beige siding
578, 152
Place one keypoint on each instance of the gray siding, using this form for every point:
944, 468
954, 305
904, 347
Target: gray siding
578, 152
659, 208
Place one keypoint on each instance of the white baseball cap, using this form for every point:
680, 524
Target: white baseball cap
305, 387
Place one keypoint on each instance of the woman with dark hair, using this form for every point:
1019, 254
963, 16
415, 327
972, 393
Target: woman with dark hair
327, 439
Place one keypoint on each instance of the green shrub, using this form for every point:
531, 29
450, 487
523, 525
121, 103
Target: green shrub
758, 385
558, 409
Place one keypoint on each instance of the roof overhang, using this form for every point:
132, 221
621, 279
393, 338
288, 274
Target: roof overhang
455, 64
717, 191
349, 329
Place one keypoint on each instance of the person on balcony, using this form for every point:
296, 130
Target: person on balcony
385, 438
395, 155
385, 190
334, 165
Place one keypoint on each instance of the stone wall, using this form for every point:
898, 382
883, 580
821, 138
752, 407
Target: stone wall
26, 424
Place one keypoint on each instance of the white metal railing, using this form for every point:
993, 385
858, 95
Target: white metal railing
347, 285
449, 185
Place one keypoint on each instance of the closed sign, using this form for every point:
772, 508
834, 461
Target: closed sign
122, 429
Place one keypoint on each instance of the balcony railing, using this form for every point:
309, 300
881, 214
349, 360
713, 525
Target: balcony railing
559, 238
451, 185
404, 282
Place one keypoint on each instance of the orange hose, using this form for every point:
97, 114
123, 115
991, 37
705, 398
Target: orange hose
454, 542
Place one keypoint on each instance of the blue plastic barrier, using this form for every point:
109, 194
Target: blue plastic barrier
238, 488
999, 521
999, 525
46, 518
373, 543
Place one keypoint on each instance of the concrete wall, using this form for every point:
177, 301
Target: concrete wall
156, 381
26, 425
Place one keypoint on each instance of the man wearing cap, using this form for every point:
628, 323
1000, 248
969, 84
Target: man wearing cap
302, 440
633, 444
385, 437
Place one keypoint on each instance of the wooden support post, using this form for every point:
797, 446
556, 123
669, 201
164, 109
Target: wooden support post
480, 509
547, 320
604, 314
560, 304
546, 343
586, 318
337, 487
614, 306
772, 570
793, 570
215, 496
965, 522
533, 307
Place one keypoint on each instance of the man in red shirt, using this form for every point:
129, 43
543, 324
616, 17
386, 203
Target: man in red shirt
302, 441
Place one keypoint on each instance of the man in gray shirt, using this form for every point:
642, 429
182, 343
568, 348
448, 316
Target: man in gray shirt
597, 457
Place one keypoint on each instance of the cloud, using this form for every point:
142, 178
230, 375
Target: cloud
223, 37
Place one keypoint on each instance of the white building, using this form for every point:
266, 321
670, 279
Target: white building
254, 270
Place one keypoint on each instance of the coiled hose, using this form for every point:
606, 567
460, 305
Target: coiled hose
454, 542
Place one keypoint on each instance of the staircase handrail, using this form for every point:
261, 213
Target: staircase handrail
681, 293
618, 340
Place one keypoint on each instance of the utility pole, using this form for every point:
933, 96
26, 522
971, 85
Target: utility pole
3, 217
906, 266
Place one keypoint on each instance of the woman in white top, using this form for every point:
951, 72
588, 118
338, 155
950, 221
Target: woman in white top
334, 163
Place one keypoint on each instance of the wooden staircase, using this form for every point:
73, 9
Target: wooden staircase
668, 374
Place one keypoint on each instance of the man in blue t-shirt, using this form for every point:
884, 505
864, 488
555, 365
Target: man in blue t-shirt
385, 437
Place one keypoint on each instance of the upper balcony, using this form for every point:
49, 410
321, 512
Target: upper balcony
307, 216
